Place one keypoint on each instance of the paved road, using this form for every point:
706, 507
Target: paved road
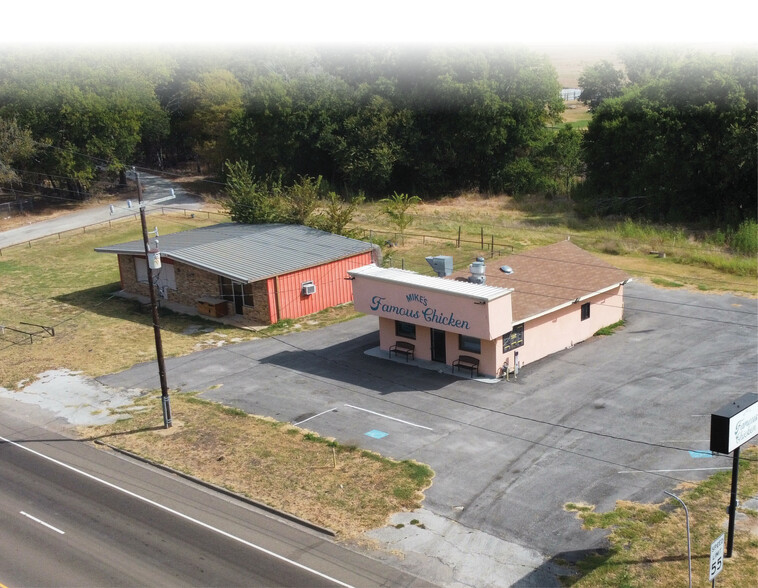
77, 516
154, 188
613, 418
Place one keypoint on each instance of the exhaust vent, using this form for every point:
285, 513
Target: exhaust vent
477, 272
442, 264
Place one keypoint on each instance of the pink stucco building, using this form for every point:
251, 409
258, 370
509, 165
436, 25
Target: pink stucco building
542, 300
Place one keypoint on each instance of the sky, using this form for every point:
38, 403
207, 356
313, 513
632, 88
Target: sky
351, 22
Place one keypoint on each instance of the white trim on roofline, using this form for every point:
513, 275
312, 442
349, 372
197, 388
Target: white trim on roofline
570, 302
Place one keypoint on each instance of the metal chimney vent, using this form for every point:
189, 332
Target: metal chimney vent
506, 269
477, 272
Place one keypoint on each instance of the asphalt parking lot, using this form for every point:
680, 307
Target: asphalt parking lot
618, 417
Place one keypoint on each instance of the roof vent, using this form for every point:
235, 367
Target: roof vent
442, 264
506, 269
477, 272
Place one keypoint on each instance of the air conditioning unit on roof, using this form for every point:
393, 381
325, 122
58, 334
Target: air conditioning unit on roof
308, 288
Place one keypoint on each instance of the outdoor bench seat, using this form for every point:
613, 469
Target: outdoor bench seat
468, 362
407, 349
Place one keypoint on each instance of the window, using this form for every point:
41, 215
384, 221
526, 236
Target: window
471, 344
237, 292
407, 330
514, 339
585, 311
163, 277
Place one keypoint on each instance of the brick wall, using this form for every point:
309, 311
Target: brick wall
193, 283
258, 314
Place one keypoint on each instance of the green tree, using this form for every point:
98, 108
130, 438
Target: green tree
562, 157
249, 200
89, 110
301, 200
336, 214
16, 145
600, 82
398, 208
680, 147
212, 102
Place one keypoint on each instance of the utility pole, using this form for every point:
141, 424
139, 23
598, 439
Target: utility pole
154, 305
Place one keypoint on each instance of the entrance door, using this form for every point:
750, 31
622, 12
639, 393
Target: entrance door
438, 346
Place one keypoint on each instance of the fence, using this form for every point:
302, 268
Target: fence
485, 244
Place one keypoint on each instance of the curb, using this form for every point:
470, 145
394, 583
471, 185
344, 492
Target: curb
280, 513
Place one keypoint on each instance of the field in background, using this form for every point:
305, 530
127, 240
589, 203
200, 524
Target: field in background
495, 226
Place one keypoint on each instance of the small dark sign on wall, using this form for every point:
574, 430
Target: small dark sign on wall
735, 424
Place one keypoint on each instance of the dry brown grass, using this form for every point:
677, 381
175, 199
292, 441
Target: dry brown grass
342, 488
649, 543
576, 112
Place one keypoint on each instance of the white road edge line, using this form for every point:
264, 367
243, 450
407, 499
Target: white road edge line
659, 471
314, 416
389, 417
177, 513
36, 520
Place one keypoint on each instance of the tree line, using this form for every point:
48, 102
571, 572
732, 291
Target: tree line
671, 138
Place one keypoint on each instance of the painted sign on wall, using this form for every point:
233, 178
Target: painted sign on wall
427, 314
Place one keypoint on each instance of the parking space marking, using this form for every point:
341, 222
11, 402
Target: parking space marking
660, 471
700, 454
389, 417
314, 416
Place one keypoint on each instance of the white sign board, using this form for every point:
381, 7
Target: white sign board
717, 557
743, 427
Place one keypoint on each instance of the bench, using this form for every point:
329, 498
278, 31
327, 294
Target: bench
407, 349
468, 362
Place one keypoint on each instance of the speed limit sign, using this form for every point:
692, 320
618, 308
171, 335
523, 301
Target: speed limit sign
717, 557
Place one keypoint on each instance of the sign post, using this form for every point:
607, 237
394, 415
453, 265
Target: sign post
717, 559
732, 426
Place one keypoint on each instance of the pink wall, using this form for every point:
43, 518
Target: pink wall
548, 334
332, 288
420, 306
564, 328
423, 342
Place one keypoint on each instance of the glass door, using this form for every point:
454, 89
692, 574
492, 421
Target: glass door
438, 346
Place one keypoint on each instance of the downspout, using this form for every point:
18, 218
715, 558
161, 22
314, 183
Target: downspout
276, 300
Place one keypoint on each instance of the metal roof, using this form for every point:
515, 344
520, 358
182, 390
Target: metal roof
248, 253
409, 278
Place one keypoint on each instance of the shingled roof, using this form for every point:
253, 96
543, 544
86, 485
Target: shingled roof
248, 253
547, 277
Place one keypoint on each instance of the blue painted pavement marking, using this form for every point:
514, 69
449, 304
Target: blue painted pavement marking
699, 454
377, 434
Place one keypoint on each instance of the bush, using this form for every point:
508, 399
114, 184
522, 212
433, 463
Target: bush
745, 239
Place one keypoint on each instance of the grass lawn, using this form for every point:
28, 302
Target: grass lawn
649, 541
63, 283
343, 488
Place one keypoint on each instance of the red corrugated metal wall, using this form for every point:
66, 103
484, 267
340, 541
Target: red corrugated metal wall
332, 288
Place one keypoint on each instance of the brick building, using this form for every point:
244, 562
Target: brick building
258, 274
